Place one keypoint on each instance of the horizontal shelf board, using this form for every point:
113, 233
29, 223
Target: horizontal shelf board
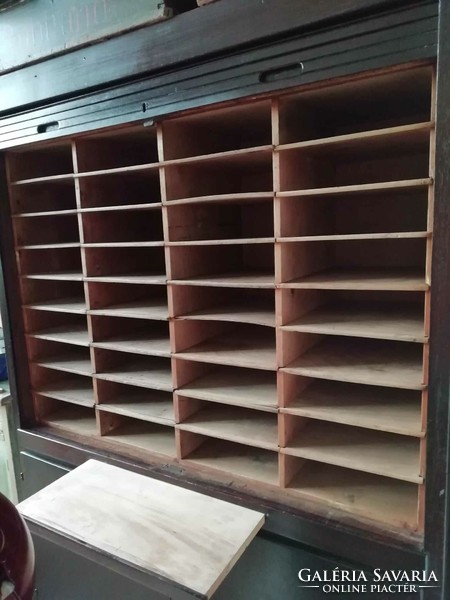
224, 242
240, 155
77, 335
384, 409
140, 278
117, 170
240, 279
146, 406
380, 498
255, 351
45, 213
56, 276
142, 374
244, 461
50, 246
382, 321
71, 362
157, 244
403, 134
122, 207
64, 305
230, 423
145, 436
237, 387
138, 309
224, 198
375, 452
69, 390
157, 345
72, 419
361, 188
400, 235
246, 312
371, 362
362, 279
66, 177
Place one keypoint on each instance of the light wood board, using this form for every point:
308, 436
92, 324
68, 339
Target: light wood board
138, 309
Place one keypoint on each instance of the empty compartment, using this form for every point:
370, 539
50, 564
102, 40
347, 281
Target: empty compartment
371, 362
370, 496
257, 464
60, 356
72, 388
120, 189
249, 172
217, 130
126, 265
123, 227
135, 336
379, 408
239, 265
220, 221
43, 161
117, 148
55, 196
367, 314
377, 102
223, 304
136, 434
155, 406
214, 342
48, 230
125, 300
386, 264
236, 424
65, 417
52, 264
392, 213
55, 296
57, 326
362, 449
142, 371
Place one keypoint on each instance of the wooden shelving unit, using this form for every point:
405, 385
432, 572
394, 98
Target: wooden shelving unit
244, 289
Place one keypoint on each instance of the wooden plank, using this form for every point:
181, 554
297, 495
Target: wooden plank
140, 278
122, 207
142, 435
123, 244
70, 362
80, 504
69, 389
236, 197
241, 279
69, 334
146, 406
138, 309
65, 305
73, 419
257, 313
149, 373
253, 428
49, 246
384, 409
224, 242
157, 344
362, 188
241, 155
391, 364
376, 452
372, 321
56, 276
398, 235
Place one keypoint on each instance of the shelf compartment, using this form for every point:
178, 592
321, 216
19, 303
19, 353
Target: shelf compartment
57, 356
120, 189
386, 100
230, 174
53, 296
256, 464
230, 128
129, 401
136, 434
220, 222
117, 148
250, 346
376, 452
371, 407
75, 389
58, 327
238, 265
40, 161
42, 199
62, 264
130, 301
137, 337
387, 212
235, 424
373, 497
126, 265
122, 227
148, 372
249, 306
67, 418
57, 231
371, 362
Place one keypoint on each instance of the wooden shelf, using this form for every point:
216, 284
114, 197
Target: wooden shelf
156, 345
224, 242
149, 373
248, 279
152, 166
44, 213
380, 321
384, 409
245, 461
71, 362
242, 346
398, 235
361, 188
254, 313
64, 305
74, 390
139, 278
56, 276
253, 428
239, 156
158, 244
140, 435
237, 387
139, 309
47, 179
373, 452
391, 364
221, 198
363, 279
49, 246
77, 420
146, 406
122, 207
70, 334
373, 497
